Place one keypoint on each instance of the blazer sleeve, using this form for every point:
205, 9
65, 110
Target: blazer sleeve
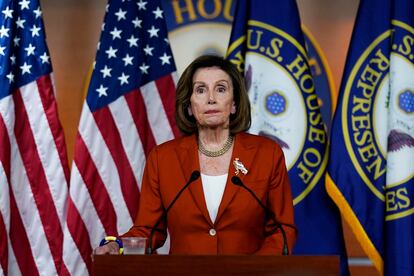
150, 206
280, 202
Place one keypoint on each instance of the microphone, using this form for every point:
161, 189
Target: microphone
194, 176
237, 181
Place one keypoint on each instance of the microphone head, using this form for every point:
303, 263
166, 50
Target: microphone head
236, 181
194, 175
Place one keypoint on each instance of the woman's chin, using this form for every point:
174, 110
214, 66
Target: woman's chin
214, 125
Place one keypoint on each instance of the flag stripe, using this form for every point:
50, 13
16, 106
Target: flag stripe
4, 200
45, 147
84, 208
4, 252
159, 122
164, 86
29, 214
38, 181
131, 143
46, 93
112, 138
5, 148
17, 233
96, 187
20, 242
7, 120
80, 236
136, 103
84, 204
13, 265
104, 165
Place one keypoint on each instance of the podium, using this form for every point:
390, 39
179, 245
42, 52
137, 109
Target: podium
215, 265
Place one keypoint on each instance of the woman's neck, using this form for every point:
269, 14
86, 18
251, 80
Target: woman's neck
213, 138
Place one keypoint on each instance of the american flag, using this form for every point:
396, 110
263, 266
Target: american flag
34, 172
129, 108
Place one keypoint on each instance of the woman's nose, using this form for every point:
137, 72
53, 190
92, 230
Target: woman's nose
211, 98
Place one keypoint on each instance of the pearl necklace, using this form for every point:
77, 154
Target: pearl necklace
223, 150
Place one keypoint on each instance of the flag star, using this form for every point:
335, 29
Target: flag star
120, 14
25, 68
20, 22
45, 58
10, 76
116, 33
123, 79
137, 22
132, 41
30, 50
158, 13
166, 41
148, 50
165, 59
37, 12
8, 12
2, 50
35, 31
144, 68
12, 58
111, 52
16, 41
141, 5
106, 72
153, 31
103, 26
107, 7
4, 31
24, 4
102, 91
128, 60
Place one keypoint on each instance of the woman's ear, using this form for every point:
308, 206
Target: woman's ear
190, 112
233, 109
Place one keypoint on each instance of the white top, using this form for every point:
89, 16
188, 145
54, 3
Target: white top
213, 187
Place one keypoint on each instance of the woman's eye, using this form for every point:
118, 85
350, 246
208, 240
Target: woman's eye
221, 89
199, 90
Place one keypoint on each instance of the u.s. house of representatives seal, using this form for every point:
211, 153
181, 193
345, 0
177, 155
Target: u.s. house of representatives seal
284, 103
378, 119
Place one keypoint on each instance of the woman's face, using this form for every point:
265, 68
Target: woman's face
211, 101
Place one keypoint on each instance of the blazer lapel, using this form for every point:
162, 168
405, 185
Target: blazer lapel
245, 152
187, 153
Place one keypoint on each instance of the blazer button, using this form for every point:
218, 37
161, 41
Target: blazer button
212, 232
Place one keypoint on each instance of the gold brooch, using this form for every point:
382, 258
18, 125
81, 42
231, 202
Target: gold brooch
238, 165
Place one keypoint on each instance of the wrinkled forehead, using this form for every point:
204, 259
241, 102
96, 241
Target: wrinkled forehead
212, 74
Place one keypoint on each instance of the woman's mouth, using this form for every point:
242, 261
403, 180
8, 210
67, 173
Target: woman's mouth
211, 111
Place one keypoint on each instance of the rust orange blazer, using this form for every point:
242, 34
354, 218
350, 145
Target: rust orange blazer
240, 223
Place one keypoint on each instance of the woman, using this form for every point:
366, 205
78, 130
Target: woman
213, 215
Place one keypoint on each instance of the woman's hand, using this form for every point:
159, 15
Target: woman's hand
110, 248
